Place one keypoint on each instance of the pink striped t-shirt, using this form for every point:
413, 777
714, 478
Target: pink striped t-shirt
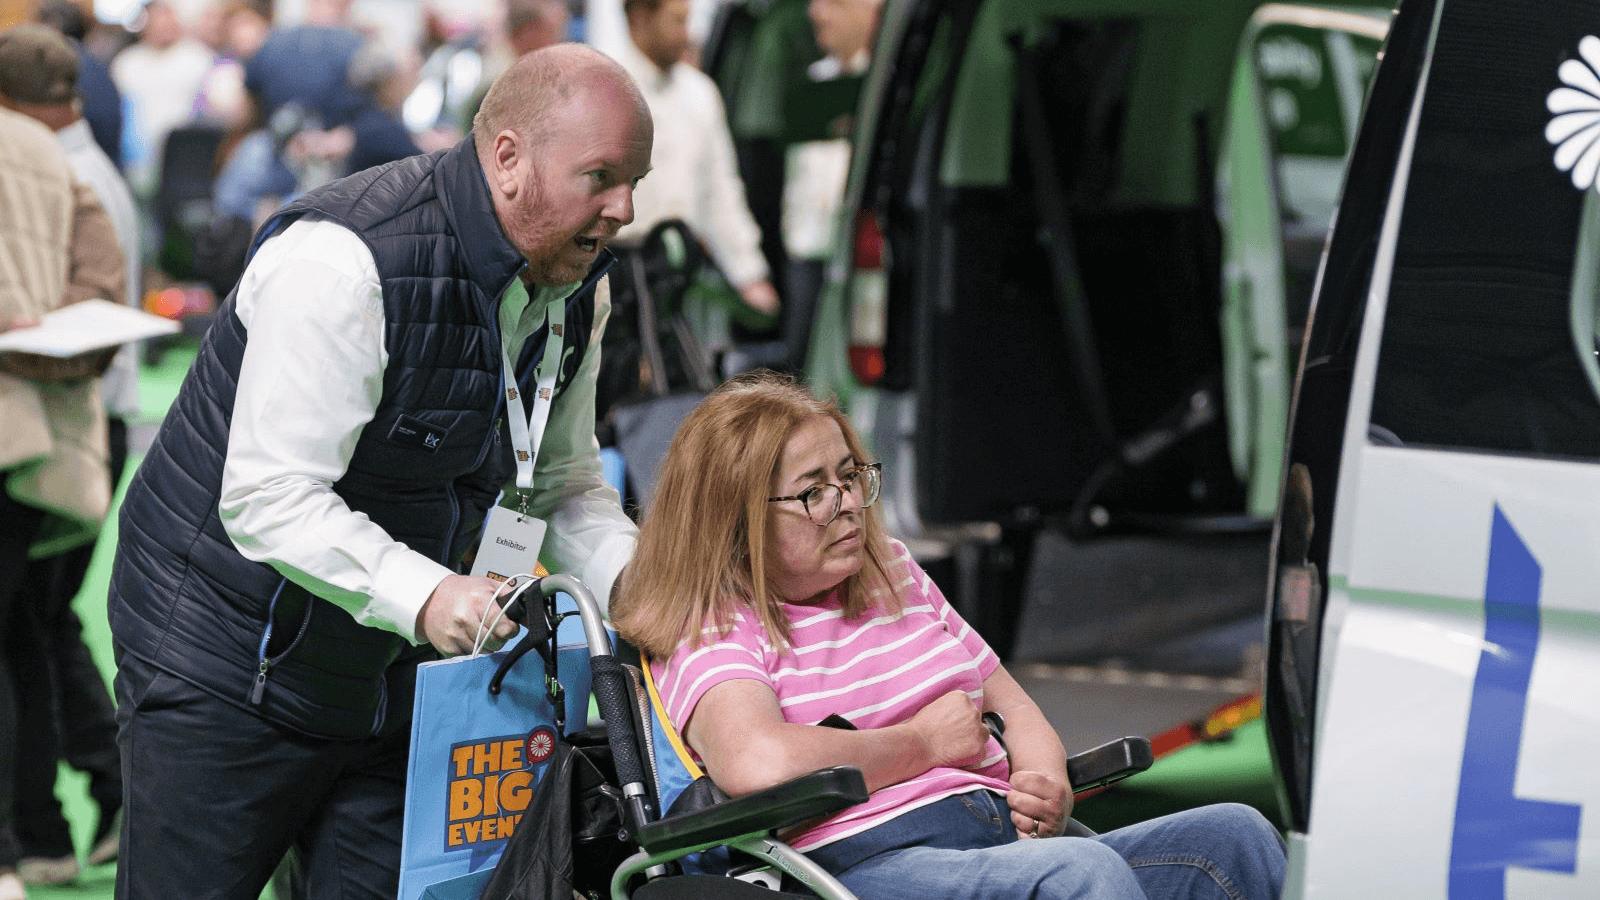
876, 671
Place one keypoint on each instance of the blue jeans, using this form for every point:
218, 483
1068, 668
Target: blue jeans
965, 848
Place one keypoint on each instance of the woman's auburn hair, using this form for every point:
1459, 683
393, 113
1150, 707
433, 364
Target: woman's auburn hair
698, 558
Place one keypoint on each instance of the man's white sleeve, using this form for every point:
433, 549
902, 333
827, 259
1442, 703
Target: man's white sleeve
731, 232
310, 380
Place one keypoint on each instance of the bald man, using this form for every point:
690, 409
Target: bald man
295, 543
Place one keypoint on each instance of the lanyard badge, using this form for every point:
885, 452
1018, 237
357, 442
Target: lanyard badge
511, 540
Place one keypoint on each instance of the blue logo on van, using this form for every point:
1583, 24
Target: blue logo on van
1494, 828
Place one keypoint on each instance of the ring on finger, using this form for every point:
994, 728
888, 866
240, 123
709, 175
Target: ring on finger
1035, 832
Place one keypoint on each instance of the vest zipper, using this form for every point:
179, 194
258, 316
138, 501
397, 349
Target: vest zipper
263, 663
260, 688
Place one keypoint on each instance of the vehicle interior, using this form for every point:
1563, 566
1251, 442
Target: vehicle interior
1039, 178
1051, 179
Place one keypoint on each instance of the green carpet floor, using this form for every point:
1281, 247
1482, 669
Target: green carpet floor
1236, 769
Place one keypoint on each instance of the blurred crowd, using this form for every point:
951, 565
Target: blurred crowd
217, 111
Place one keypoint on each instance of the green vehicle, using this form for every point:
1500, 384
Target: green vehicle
1076, 252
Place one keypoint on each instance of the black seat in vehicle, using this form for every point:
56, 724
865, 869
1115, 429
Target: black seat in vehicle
1076, 348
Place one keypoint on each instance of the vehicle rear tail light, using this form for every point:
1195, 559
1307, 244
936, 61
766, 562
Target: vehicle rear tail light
868, 300
868, 241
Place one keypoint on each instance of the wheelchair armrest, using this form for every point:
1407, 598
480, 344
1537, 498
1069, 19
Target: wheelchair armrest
816, 794
1108, 763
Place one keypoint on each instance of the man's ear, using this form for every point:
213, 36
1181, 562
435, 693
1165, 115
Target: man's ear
506, 160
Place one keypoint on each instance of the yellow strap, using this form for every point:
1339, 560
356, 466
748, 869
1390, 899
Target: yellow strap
678, 747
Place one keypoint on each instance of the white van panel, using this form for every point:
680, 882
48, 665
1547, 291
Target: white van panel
1416, 653
1551, 503
1383, 802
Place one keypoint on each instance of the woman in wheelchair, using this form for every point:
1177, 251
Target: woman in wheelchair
788, 633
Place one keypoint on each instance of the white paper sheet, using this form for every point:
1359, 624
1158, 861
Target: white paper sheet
82, 327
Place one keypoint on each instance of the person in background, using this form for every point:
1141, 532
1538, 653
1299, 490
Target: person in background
160, 76
524, 26
381, 76
771, 604
697, 174
324, 103
57, 247
330, 13
297, 85
241, 27
329, 99
300, 81
295, 542
816, 168
102, 102
66, 709
532, 24
294, 82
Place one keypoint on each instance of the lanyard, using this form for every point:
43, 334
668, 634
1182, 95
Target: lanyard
526, 437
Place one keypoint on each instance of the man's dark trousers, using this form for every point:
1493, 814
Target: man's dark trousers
226, 794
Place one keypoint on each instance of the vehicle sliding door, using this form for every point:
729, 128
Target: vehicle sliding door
1457, 527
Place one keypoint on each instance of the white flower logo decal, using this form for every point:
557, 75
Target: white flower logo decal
1575, 130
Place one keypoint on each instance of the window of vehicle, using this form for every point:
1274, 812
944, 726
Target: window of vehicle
1298, 90
1313, 79
1478, 350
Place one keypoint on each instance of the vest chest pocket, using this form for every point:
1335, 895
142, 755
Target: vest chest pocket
410, 431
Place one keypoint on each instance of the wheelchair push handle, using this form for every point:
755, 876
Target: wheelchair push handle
517, 606
613, 692
594, 623
540, 622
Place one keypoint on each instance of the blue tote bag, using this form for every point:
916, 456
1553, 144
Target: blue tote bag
476, 759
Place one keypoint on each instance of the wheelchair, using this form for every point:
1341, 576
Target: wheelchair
698, 816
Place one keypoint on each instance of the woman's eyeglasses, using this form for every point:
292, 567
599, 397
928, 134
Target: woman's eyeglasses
822, 501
